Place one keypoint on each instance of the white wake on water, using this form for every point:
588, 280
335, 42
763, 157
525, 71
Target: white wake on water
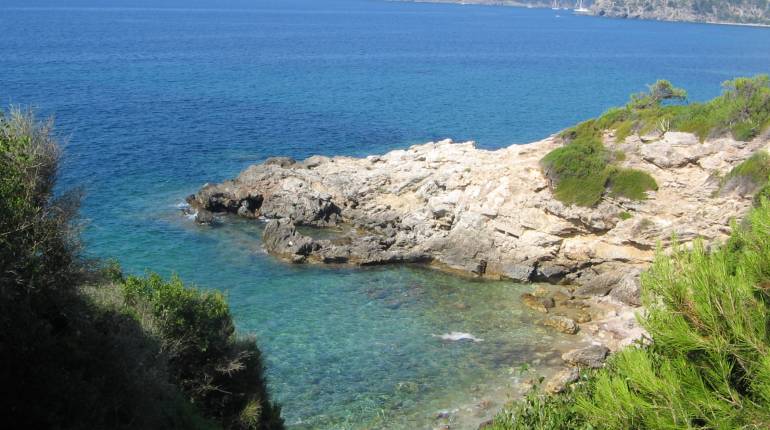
457, 335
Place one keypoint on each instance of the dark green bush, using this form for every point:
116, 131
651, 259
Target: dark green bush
220, 373
581, 170
72, 358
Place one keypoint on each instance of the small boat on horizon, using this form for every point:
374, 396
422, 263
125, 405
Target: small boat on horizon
580, 9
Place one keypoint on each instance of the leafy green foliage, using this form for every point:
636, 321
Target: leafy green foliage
762, 193
756, 168
220, 373
708, 367
743, 110
582, 169
73, 356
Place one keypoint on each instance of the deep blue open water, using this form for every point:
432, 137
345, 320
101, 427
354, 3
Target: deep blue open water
158, 97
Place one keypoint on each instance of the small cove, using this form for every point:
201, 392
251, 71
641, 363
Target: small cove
157, 101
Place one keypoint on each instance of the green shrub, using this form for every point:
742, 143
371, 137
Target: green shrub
581, 170
219, 372
756, 168
578, 170
67, 362
762, 193
630, 183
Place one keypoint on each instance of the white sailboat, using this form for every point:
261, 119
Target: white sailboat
580, 9
555, 5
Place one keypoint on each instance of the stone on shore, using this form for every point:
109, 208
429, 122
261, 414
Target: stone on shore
540, 304
591, 356
628, 289
561, 380
561, 323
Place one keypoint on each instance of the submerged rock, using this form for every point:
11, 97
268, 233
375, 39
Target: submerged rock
562, 324
204, 217
540, 304
280, 237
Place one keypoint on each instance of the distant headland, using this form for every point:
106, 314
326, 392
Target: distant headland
749, 12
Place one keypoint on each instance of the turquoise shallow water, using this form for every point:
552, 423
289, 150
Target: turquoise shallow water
158, 97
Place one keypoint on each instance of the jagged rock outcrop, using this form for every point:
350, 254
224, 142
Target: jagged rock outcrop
491, 213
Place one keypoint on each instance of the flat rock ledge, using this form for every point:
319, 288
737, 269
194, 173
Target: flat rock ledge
489, 213
492, 214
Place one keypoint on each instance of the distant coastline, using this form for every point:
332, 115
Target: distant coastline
627, 9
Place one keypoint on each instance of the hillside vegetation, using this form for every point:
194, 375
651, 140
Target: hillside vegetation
713, 11
726, 11
84, 348
584, 170
706, 364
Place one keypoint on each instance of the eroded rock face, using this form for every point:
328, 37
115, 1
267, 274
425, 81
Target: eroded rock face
491, 213
281, 238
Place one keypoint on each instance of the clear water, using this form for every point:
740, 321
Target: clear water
158, 97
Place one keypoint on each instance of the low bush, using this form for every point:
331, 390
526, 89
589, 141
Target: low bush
630, 183
578, 170
582, 170
743, 110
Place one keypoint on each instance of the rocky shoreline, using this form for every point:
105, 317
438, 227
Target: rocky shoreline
492, 214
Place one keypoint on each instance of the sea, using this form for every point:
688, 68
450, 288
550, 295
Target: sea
153, 99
